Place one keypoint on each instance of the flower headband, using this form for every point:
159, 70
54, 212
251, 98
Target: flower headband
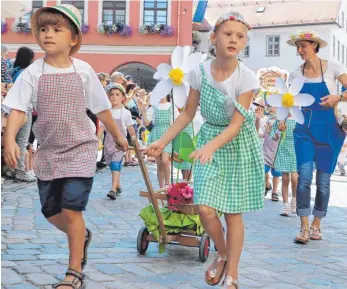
231, 16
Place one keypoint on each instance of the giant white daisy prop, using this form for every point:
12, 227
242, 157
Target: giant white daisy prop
289, 100
175, 77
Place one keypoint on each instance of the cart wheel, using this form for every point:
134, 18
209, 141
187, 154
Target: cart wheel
142, 242
204, 248
215, 248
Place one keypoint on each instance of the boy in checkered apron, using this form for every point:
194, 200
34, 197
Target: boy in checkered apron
285, 162
229, 172
123, 119
61, 88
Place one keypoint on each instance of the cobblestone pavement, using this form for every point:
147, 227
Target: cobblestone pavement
34, 254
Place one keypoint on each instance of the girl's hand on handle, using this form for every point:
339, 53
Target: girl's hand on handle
282, 125
12, 154
155, 149
205, 154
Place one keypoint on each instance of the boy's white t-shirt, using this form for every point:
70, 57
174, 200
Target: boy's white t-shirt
23, 93
240, 81
334, 70
124, 114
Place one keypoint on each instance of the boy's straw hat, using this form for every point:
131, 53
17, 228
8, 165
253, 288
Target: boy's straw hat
69, 11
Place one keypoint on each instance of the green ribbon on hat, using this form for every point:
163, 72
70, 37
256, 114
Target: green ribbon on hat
70, 14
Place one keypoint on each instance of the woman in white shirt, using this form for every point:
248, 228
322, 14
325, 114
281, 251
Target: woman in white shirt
320, 138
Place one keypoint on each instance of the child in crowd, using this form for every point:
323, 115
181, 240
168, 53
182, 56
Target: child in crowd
229, 166
60, 88
123, 119
270, 147
160, 116
285, 161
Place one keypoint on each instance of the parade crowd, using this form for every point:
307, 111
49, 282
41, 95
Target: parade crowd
55, 141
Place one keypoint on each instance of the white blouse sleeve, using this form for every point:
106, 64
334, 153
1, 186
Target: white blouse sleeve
150, 113
195, 78
248, 82
96, 98
337, 68
20, 95
128, 118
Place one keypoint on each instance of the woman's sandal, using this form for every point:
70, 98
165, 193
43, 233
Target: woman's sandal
85, 249
76, 283
315, 234
228, 281
302, 239
112, 195
274, 197
210, 276
267, 189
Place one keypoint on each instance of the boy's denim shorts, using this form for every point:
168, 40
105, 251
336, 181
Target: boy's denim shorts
67, 193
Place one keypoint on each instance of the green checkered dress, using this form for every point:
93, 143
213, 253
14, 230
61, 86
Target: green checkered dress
285, 160
185, 165
162, 122
234, 181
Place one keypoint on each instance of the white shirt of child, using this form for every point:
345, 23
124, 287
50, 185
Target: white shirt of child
333, 71
124, 114
240, 81
23, 93
150, 113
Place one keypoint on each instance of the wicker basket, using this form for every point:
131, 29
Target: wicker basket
190, 209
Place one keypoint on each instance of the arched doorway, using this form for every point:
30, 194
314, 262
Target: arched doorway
141, 73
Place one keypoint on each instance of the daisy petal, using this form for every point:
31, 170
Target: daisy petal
186, 84
281, 85
177, 57
282, 113
163, 70
274, 100
303, 99
204, 56
296, 85
297, 114
157, 76
191, 62
179, 95
161, 90
186, 52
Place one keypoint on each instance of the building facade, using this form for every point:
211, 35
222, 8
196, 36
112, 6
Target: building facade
274, 21
137, 54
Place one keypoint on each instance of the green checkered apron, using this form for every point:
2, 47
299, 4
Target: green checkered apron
162, 122
185, 165
234, 181
285, 160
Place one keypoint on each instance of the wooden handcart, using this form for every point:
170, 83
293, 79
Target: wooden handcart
184, 238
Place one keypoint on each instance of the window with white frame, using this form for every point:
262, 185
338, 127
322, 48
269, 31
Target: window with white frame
334, 46
273, 45
35, 6
246, 51
338, 50
343, 54
78, 4
114, 12
343, 20
155, 12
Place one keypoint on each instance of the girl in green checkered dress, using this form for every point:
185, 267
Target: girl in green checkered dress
285, 162
228, 172
185, 167
161, 118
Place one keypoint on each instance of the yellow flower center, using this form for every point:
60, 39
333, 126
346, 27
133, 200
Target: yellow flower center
287, 100
176, 75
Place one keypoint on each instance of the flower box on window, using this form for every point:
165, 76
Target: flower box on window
117, 28
85, 28
21, 27
3, 27
162, 29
